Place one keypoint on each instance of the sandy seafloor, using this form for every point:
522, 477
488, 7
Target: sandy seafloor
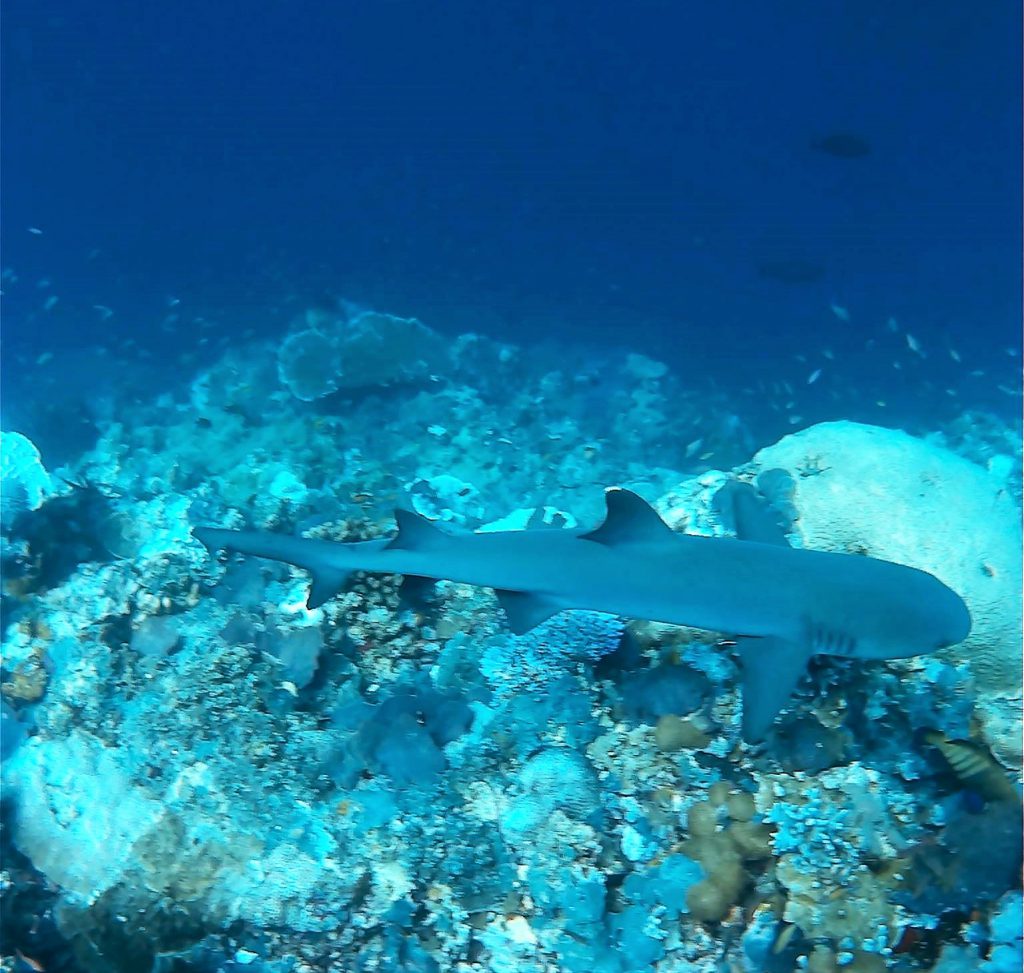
201, 774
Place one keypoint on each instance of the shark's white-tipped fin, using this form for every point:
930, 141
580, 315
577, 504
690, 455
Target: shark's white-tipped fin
415, 533
525, 611
771, 669
629, 520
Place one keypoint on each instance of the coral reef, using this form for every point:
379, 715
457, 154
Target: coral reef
201, 773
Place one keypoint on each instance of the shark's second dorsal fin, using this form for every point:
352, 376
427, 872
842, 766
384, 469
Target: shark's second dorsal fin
415, 533
629, 520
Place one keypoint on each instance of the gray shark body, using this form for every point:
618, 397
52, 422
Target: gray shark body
784, 605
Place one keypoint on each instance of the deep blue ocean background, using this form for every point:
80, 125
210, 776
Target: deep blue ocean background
648, 177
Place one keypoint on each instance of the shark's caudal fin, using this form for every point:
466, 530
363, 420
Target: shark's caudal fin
313, 555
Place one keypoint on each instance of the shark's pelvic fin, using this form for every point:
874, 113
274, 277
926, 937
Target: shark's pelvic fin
629, 520
326, 583
524, 610
772, 667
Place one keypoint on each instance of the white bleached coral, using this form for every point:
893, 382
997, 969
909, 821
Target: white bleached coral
26, 484
881, 492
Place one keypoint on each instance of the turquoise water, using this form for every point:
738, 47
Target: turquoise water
289, 269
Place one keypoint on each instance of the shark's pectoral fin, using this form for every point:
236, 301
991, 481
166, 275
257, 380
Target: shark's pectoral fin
525, 611
327, 582
771, 669
749, 514
629, 520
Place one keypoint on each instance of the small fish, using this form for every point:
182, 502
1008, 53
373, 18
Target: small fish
786, 933
914, 345
44, 358
955, 355
893, 325
828, 353
974, 767
30, 962
104, 311
842, 145
814, 376
692, 448
794, 420
840, 312
173, 301
35, 231
51, 302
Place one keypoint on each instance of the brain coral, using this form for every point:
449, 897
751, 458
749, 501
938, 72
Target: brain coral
884, 493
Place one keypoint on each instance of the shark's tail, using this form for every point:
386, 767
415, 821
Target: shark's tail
319, 558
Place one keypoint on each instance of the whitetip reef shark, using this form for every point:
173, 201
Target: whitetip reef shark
782, 604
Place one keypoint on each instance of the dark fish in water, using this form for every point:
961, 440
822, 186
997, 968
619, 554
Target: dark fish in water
791, 271
843, 145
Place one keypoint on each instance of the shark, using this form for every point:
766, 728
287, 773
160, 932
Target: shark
781, 605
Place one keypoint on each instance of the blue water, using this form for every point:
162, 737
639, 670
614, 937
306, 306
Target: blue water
807, 211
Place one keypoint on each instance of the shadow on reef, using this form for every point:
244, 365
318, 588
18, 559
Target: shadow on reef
40, 932
47, 545
27, 926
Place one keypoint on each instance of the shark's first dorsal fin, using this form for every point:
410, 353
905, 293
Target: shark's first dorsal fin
524, 610
629, 520
415, 533
771, 669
